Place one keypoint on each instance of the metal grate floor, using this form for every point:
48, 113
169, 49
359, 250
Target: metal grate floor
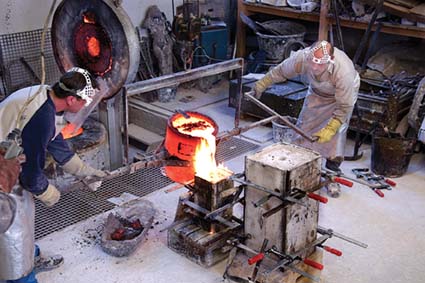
76, 206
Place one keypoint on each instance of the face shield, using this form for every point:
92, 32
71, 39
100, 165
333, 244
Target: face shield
90, 95
318, 65
88, 92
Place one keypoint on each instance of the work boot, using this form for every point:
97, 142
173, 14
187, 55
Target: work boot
47, 263
333, 164
333, 190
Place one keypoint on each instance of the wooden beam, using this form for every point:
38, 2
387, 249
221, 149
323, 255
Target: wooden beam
324, 22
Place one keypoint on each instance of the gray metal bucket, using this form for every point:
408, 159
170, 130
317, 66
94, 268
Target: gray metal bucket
283, 133
278, 47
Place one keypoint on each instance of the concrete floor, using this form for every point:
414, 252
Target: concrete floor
393, 227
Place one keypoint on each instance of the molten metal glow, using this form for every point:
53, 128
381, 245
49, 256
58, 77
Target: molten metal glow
204, 161
88, 18
93, 46
69, 131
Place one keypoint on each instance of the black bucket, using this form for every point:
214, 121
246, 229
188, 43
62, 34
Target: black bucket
391, 156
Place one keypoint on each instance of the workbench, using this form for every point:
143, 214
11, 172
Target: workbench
290, 13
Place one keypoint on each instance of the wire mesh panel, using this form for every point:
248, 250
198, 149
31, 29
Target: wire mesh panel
232, 148
76, 206
21, 62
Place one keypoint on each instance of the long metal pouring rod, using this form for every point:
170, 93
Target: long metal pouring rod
156, 160
283, 119
239, 130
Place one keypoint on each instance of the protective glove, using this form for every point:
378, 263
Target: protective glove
326, 134
261, 85
50, 196
9, 172
77, 167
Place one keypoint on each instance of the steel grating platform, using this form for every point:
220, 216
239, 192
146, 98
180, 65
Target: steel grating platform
76, 206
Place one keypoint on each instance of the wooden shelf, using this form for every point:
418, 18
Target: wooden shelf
252, 8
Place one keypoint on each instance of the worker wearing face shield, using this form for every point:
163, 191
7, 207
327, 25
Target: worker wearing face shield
333, 88
38, 113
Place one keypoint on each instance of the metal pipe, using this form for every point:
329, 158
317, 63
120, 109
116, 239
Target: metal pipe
238, 97
237, 131
125, 127
331, 233
182, 77
283, 119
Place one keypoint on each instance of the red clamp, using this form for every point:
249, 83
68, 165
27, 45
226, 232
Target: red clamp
390, 182
342, 181
332, 250
317, 197
313, 263
256, 258
378, 192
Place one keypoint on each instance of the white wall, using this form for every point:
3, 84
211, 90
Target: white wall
24, 15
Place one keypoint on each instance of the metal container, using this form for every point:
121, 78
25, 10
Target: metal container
283, 133
278, 47
391, 156
183, 146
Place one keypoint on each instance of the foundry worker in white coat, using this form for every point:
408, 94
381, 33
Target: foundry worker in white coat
37, 111
327, 109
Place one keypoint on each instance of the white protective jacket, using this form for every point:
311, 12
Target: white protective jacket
332, 94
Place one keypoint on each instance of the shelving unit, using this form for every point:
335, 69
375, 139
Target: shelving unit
287, 12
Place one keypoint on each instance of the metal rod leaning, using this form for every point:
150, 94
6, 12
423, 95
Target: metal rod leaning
283, 119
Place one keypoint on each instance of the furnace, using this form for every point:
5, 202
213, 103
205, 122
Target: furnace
98, 36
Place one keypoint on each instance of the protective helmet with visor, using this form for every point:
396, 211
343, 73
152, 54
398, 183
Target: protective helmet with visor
87, 92
326, 58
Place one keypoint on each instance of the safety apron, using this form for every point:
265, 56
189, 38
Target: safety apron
317, 110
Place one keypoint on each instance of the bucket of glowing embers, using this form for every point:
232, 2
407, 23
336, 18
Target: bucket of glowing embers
191, 137
126, 227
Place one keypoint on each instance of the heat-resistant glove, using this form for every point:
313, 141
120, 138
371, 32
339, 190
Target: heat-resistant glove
50, 196
261, 85
9, 172
77, 167
326, 134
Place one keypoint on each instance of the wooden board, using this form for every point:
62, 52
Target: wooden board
419, 10
405, 3
403, 12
